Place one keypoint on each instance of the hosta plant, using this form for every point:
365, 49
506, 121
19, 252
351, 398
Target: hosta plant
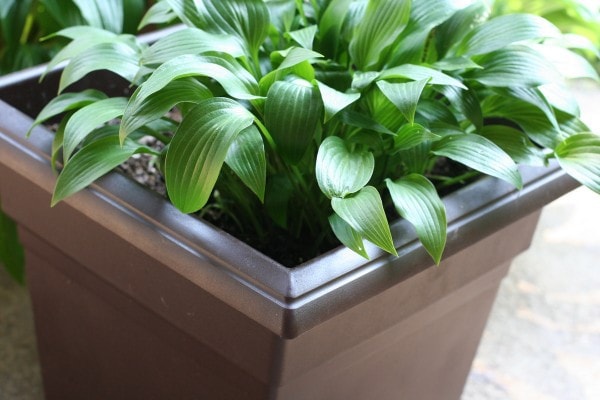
298, 122
23, 25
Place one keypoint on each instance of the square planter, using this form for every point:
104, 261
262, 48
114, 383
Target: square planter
134, 300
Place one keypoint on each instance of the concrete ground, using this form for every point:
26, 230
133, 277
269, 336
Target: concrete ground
542, 341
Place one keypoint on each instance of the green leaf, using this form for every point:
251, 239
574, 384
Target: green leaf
467, 103
515, 143
236, 81
115, 57
297, 55
247, 19
455, 64
384, 20
451, 32
83, 37
530, 118
191, 41
417, 201
66, 102
330, 25
12, 255
186, 11
199, 148
405, 96
348, 236
246, 157
579, 156
155, 106
364, 212
91, 162
418, 72
305, 37
360, 120
480, 154
293, 111
500, 32
411, 135
514, 66
89, 118
158, 13
424, 17
340, 170
335, 101
107, 14
532, 96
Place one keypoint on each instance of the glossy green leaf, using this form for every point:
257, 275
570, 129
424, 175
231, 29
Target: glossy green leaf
191, 41
330, 25
199, 148
282, 14
384, 20
247, 19
66, 102
405, 96
91, 162
364, 212
419, 72
246, 157
155, 106
455, 64
186, 11
293, 111
361, 80
417, 201
530, 118
348, 236
514, 67
335, 101
515, 143
579, 155
83, 37
296, 55
89, 118
480, 154
340, 170
535, 97
305, 36
158, 13
12, 256
500, 32
411, 135
115, 57
360, 120
107, 14
467, 102
424, 17
236, 81
451, 33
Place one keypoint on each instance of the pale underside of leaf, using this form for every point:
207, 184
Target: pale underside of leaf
364, 213
339, 170
579, 156
417, 201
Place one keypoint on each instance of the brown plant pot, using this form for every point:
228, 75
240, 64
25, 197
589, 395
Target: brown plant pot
134, 300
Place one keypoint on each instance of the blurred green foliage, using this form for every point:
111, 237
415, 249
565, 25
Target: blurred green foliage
23, 23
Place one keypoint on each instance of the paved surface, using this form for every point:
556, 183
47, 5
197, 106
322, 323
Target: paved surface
542, 341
